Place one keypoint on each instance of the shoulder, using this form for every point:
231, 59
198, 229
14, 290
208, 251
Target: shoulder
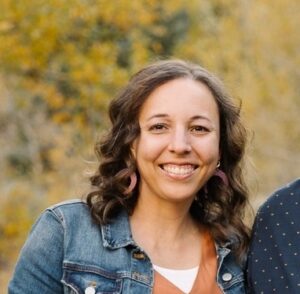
67, 204
71, 207
68, 214
286, 196
275, 243
73, 221
280, 211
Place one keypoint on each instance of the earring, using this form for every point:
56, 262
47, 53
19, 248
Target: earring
133, 181
219, 173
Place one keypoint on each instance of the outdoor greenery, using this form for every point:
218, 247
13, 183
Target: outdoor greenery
61, 62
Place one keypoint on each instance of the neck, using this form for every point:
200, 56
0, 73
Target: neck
167, 233
162, 222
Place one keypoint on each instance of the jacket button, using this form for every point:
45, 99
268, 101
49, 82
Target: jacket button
227, 277
138, 255
90, 290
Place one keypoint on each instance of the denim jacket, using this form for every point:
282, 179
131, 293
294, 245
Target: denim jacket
66, 252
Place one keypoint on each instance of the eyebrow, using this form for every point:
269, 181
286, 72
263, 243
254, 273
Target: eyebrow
163, 115
157, 116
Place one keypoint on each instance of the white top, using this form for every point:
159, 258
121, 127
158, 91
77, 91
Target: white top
182, 279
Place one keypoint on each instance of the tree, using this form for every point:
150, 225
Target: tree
62, 62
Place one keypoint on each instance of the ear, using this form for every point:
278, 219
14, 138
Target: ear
219, 159
133, 149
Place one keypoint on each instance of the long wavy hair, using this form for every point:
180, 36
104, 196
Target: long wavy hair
218, 206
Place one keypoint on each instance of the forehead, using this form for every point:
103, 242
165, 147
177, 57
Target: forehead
181, 97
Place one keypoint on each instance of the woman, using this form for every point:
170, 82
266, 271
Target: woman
165, 212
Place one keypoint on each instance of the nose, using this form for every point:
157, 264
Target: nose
180, 142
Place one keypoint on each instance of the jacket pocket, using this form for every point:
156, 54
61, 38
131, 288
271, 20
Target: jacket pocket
82, 279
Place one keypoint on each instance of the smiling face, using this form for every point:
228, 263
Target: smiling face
178, 147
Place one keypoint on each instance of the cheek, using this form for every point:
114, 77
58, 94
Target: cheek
148, 148
208, 150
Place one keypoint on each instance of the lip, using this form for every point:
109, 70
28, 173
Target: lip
178, 171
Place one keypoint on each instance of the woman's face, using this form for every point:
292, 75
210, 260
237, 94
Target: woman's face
178, 147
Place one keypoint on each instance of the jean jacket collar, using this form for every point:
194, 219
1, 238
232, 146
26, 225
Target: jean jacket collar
117, 233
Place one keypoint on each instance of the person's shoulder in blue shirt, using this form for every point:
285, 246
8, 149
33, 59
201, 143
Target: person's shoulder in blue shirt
274, 255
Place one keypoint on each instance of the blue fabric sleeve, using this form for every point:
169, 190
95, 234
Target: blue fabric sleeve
39, 267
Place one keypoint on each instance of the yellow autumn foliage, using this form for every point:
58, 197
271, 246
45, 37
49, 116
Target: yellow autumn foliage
61, 62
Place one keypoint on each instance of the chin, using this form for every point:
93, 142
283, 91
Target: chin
180, 197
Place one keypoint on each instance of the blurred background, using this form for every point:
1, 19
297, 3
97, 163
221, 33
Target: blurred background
61, 62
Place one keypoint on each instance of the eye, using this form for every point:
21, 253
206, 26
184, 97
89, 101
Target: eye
199, 129
157, 127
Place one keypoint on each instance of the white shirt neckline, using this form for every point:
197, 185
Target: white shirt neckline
182, 279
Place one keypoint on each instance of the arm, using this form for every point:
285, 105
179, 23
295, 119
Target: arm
39, 268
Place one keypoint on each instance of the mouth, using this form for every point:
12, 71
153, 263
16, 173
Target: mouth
178, 170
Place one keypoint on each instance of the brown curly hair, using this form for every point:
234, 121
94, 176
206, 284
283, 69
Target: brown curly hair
218, 206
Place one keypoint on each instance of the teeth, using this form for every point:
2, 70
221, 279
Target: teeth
178, 169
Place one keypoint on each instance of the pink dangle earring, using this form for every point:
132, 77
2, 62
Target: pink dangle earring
133, 181
219, 173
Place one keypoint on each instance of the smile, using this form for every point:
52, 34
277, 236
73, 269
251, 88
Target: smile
178, 170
